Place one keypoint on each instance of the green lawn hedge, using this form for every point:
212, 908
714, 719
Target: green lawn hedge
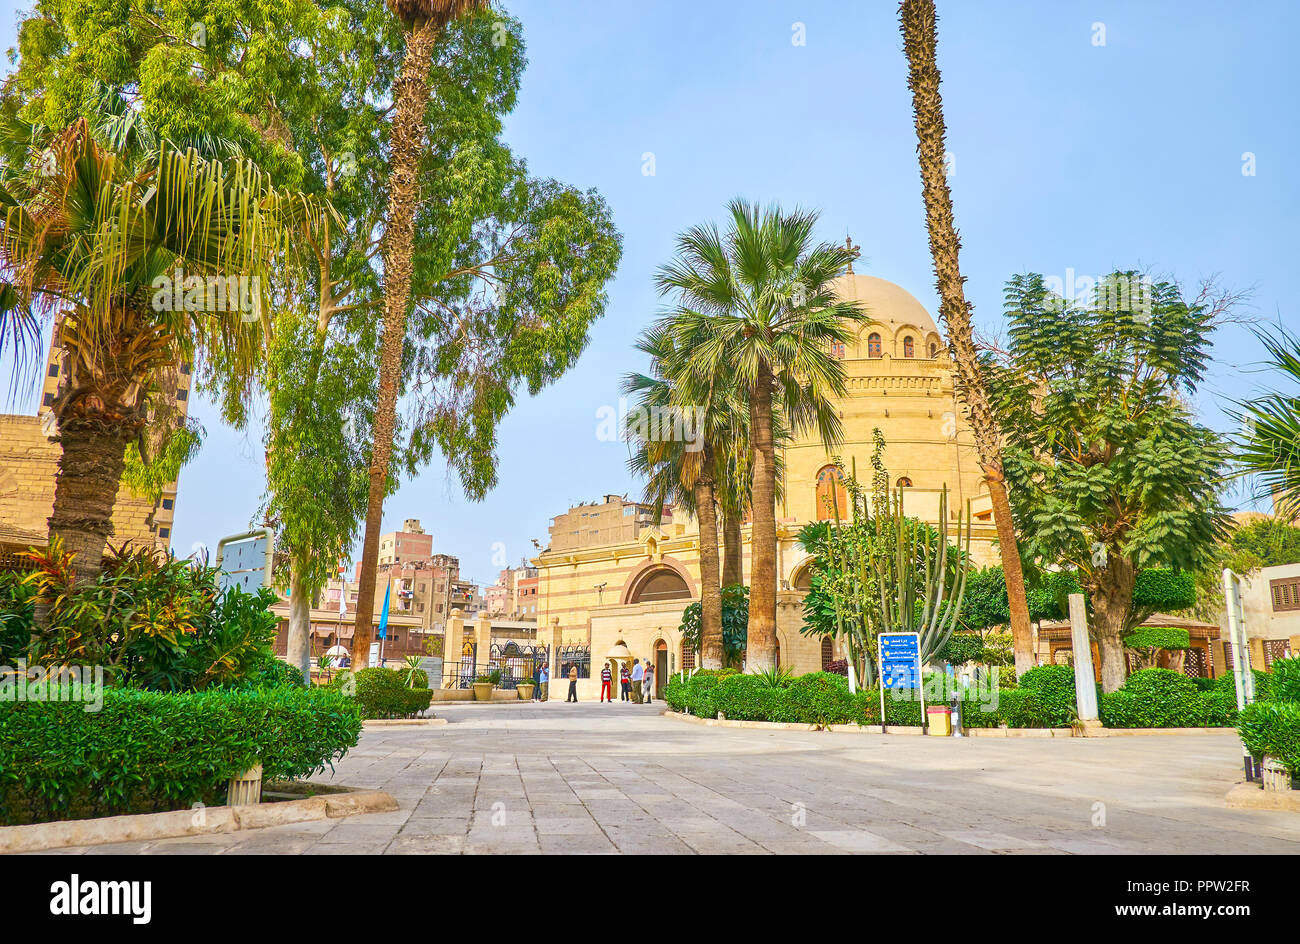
1044, 698
384, 693
147, 752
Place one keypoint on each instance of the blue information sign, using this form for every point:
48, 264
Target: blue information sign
900, 660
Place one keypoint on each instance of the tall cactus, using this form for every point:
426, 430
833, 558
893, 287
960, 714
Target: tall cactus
891, 573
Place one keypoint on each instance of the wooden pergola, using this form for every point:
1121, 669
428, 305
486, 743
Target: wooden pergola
1054, 636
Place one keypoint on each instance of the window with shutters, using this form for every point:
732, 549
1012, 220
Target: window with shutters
1285, 593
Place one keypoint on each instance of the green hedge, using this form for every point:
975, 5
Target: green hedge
383, 693
1272, 724
146, 752
1156, 698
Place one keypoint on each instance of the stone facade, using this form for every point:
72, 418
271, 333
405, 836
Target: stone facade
633, 588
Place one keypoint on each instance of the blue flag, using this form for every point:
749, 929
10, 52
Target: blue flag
383, 615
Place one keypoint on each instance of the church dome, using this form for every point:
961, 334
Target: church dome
885, 303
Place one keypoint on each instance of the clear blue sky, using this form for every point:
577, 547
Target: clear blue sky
1067, 155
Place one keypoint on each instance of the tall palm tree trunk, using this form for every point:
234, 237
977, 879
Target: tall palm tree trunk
918, 20
86, 486
711, 653
733, 561
761, 638
406, 140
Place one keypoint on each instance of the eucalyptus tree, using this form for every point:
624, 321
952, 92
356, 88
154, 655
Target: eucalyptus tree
508, 270
918, 24
757, 305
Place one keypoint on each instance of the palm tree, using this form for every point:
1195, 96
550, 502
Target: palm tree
423, 22
757, 307
918, 19
691, 472
1269, 447
93, 239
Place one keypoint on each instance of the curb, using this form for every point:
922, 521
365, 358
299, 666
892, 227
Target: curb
215, 819
1247, 796
402, 722
787, 726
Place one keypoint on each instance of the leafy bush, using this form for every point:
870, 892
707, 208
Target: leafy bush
1154, 698
699, 691
151, 751
1285, 683
746, 697
1272, 728
735, 623
962, 648
150, 621
383, 693
1052, 703
15, 617
275, 672
675, 693
819, 698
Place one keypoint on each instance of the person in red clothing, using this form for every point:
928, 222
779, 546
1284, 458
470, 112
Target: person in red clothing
606, 676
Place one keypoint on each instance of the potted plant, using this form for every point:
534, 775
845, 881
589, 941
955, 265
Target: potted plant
525, 690
484, 684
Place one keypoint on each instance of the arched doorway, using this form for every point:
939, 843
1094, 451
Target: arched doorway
661, 665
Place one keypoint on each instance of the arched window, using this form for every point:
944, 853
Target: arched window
831, 494
873, 345
934, 349
904, 482
909, 347
828, 652
837, 350
662, 583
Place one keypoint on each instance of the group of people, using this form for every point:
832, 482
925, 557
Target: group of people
636, 684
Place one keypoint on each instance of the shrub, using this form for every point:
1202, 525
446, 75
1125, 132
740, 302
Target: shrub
818, 698
675, 693
699, 691
1272, 728
1218, 708
746, 697
1053, 703
1285, 682
275, 672
15, 617
1263, 684
146, 752
1154, 698
383, 693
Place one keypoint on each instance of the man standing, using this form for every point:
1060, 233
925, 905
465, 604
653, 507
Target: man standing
648, 686
543, 681
606, 676
573, 684
638, 677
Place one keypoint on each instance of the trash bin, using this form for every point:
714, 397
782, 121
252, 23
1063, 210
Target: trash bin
940, 719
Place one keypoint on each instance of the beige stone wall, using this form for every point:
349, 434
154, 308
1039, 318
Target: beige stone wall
28, 461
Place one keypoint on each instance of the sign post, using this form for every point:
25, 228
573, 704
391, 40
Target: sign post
900, 667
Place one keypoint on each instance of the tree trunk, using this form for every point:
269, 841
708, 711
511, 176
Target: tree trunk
406, 144
733, 551
761, 642
86, 485
299, 642
918, 20
1111, 595
711, 651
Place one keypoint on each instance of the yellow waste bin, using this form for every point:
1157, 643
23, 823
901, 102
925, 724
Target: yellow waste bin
940, 719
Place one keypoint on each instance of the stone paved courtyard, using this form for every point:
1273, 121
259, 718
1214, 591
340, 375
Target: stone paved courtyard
591, 778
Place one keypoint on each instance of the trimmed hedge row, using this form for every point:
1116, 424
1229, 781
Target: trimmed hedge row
147, 752
1044, 698
383, 693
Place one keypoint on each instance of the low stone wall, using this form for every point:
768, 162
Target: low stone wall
201, 822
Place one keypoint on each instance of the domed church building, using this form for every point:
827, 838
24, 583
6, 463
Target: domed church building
611, 575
